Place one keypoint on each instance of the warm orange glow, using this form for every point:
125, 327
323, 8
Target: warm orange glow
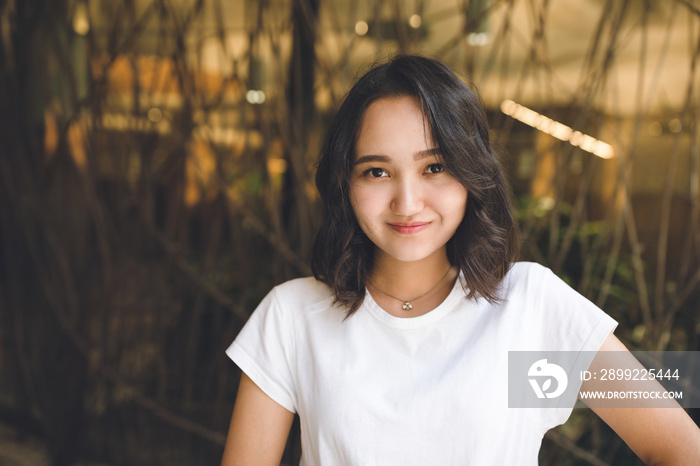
50, 133
75, 137
200, 173
543, 180
159, 76
77, 144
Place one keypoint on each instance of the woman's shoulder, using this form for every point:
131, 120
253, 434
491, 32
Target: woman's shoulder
524, 271
528, 279
304, 291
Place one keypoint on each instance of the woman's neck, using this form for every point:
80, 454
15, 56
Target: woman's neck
423, 284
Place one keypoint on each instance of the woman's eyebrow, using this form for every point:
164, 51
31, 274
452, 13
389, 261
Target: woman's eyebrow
371, 158
434, 152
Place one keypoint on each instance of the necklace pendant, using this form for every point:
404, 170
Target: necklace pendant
407, 306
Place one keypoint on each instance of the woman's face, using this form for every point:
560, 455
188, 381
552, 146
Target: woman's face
403, 198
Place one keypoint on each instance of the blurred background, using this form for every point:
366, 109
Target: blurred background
156, 180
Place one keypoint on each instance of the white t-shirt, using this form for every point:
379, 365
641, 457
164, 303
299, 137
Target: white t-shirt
375, 389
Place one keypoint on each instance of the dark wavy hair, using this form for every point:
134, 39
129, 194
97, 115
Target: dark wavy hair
486, 242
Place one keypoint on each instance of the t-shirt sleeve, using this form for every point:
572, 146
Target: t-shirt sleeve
572, 324
576, 323
263, 350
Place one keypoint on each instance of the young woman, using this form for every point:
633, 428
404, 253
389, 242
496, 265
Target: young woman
397, 351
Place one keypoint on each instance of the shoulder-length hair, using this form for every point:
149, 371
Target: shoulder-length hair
486, 242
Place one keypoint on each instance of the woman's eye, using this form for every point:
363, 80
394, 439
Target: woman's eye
434, 168
376, 172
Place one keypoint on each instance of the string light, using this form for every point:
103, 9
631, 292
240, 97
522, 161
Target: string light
478, 39
415, 21
81, 22
557, 130
361, 28
675, 125
255, 97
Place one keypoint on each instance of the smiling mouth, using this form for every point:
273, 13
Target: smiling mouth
409, 228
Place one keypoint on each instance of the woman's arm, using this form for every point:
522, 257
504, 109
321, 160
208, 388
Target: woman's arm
659, 436
259, 428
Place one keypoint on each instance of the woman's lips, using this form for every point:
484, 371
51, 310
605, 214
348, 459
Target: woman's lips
409, 228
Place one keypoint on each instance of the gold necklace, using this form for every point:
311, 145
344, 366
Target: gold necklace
407, 306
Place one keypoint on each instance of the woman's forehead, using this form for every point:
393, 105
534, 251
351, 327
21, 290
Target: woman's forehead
393, 123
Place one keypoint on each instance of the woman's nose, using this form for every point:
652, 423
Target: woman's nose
408, 197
